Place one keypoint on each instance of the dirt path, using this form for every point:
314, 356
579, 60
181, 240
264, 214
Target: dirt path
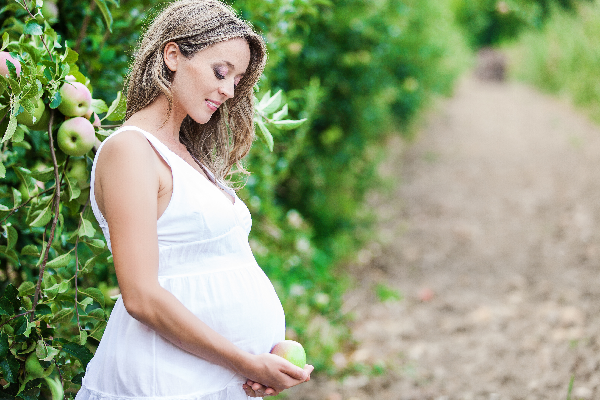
497, 214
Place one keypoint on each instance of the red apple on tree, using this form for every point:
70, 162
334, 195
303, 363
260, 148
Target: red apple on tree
76, 136
4, 57
76, 99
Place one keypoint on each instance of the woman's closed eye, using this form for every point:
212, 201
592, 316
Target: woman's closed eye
220, 72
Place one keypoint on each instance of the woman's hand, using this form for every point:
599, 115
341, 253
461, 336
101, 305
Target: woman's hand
281, 373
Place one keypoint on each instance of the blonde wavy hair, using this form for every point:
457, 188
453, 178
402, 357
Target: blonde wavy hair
195, 25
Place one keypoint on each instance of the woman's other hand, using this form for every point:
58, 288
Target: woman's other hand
281, 372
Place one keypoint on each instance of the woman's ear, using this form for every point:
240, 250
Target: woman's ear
171, 55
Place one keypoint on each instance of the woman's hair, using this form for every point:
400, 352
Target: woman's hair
194, 25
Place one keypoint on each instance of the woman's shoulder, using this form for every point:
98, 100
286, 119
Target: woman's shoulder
127, 149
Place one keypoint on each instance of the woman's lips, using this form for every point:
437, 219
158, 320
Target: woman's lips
213, 105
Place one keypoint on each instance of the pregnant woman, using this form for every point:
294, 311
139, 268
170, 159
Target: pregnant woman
197, 316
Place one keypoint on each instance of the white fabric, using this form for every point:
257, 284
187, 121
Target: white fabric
206, 262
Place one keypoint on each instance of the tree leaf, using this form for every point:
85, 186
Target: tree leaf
12, 236
98, 331
281, 113
288, 124
87, 229
63, 315
5, 40
43, 175
271, 104
60, 261
27, 288
42, 217
30, 250
117, 109
2, 170
55, 100
74, 189
10, 368
99, 106
10, 129
70, 56
264, 133
95, 294
33, 28
97, 313
78, 351
105, 13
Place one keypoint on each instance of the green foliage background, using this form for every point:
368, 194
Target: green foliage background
564, 57
358, 71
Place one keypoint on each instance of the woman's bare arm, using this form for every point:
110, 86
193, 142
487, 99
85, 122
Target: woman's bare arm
127, 176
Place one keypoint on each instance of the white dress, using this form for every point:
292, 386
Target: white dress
206, 262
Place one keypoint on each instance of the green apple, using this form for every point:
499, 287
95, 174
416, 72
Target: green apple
78, 171
76, 99
42, 123
76, 136
4, 57
27, 119
291, 351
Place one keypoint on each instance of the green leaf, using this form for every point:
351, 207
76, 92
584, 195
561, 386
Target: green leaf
42, 309
43, 175
10, 130
63, 315
271, 104
4, 346
70, 56
95, 294
10, 368
27, 288
105, 13
87, 229
2, 170
97, 313
264, 133
42, 217
78, 351
55, 100
98, 331
281, 113
60, 261
45, 352
5, 40
17, 197
73, 186
99, 106
33, 28
30, 250
116, 111
288, 124
11, 236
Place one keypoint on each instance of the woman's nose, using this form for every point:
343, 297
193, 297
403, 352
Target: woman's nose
227, 89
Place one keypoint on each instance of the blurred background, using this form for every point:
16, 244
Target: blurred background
372, 218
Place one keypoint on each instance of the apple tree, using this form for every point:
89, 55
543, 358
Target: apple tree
55, 307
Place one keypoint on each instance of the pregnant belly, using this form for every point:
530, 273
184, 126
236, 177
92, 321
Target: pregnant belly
239, 303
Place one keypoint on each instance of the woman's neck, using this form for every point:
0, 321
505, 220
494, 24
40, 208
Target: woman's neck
152, 119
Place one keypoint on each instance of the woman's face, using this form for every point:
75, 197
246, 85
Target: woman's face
205, 81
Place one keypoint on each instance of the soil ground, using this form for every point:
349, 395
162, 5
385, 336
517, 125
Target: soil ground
491, 236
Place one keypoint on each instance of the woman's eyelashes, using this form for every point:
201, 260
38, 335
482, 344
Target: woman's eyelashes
220, 73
